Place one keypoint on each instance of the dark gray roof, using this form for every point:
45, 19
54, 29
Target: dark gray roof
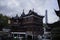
16, 17
31, 12
58, 13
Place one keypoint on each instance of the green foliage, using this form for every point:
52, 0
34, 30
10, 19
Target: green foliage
3, 20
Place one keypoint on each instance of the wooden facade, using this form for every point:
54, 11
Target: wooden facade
31, 22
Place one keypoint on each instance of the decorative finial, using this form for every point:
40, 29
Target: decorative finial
23, 10
33, 9
16, 15
23, 13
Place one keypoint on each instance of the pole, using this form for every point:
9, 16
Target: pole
46, 18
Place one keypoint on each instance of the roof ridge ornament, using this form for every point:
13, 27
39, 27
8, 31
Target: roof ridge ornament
33, 9
23, 13
16, 15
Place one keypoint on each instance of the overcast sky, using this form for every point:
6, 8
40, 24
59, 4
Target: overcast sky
13, 7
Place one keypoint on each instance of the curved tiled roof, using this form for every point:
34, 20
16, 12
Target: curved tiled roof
58, 13
16, 17
31, 12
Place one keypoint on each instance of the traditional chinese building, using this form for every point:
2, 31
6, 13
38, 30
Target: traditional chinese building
29, 24
55, 32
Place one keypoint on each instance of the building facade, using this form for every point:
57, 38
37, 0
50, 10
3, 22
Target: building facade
30, 25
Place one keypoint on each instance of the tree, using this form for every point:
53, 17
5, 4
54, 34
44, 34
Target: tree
3, 21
